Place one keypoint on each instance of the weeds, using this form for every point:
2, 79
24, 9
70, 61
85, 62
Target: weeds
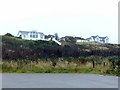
62, 66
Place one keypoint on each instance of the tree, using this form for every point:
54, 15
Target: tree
56, 36
70, 39
8, 34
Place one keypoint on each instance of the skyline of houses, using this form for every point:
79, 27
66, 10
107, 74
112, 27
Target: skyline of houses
96, 39
34, 35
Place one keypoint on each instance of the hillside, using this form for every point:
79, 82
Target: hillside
16, 48
26, 56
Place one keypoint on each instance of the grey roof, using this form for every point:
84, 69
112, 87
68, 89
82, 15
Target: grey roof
80, 38
103, 37
94, 36
88, 38
30, 31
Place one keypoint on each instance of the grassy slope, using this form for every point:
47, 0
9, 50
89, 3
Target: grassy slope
17, 42
61, 67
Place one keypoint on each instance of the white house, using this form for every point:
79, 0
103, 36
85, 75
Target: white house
80, 39
31, 35
88, 39
34, 35
94, 38
98, 39
104, 39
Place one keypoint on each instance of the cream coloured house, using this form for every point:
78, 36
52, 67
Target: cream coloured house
31, 35
34, 35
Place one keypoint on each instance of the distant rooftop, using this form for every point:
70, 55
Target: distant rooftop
30, 31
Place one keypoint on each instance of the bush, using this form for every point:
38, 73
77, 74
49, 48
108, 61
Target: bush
8, 34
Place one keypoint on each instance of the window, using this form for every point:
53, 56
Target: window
24, 36
41, 37
30, 36
33, 35
36, 36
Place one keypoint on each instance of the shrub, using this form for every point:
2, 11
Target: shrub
8, 34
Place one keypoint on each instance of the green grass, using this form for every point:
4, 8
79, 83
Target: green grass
27, 43
61, 67
87, 43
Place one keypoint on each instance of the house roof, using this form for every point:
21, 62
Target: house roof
103, 37
80, 38
49, 36
94, 36
30, 31
88, 38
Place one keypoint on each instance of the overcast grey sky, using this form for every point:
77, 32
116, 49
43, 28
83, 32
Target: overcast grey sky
66, 17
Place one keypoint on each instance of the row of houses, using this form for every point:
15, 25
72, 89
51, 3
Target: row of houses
96, 38
34, 35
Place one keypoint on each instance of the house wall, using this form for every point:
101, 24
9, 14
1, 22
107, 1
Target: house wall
39, 36
97, 39
106, 40
80, 40
24, 36
28, 35
91, 40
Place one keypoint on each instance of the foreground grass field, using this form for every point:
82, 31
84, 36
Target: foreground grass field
102, 66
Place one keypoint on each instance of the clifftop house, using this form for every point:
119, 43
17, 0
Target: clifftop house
31, 35
34, 35
97, 39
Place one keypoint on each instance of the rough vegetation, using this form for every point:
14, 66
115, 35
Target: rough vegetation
42, 56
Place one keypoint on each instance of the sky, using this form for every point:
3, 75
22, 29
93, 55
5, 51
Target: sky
83, 18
